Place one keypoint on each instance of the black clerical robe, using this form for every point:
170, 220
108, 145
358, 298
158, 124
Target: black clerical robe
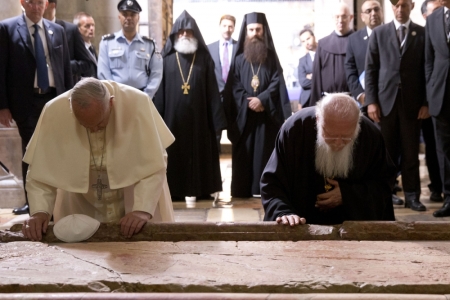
329, 66
193, 118
253, 133
290, 183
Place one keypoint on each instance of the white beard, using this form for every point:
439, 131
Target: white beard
333, 164
186, 45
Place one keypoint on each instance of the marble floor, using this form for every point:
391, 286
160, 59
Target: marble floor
250, 210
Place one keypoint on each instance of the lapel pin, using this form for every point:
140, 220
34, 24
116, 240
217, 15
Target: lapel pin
50, 31
413, 33
365, 38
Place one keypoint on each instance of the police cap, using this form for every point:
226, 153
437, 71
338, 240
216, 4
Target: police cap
130, 5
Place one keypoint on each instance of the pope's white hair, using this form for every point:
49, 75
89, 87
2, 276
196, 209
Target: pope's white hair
88, 91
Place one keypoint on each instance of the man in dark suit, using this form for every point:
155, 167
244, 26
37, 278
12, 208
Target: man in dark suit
34, 68
437, 58
223, 52
395, 93
305, 65
81, 61
428, 134
86, 26
355, 59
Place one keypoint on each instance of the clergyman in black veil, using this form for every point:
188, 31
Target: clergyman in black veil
188, 100
256, 104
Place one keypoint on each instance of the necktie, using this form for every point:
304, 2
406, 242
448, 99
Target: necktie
225, 62
91, 49
401, 34
41, 63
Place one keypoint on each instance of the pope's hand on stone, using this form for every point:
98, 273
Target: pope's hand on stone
35, 226
330, 199
291, 220
133, 222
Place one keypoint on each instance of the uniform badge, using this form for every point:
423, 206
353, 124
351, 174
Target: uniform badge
130, 3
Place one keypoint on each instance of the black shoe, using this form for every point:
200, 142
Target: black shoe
396, 200
444, 211
397, 188
436, 197
412, 201
21, 210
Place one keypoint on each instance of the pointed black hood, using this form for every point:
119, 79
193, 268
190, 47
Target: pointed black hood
184, 21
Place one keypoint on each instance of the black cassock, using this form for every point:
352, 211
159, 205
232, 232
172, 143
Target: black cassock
253, 133
193, 165
290, 183
328, 67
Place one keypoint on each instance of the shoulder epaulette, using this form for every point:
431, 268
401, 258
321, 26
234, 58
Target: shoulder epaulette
108, 36
148, 39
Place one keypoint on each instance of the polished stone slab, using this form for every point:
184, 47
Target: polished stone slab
227, 267
218, 296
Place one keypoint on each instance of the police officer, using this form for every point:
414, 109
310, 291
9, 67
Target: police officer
129, 58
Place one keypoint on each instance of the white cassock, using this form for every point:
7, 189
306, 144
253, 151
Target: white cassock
62, 176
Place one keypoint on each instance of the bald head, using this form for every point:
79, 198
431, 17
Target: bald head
91, 103
343, 18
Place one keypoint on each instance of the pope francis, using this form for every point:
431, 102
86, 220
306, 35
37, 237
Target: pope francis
98, 150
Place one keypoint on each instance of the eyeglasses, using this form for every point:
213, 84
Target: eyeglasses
36, 3
335, 139
369, 11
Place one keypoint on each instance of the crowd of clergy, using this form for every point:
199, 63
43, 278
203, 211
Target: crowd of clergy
120, 135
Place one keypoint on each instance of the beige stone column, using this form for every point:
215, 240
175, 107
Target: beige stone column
10, 8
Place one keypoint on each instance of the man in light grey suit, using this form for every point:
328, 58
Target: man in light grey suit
222, 52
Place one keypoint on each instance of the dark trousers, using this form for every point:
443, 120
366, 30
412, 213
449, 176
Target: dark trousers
27, 125
431, 156
442, 131
401, 134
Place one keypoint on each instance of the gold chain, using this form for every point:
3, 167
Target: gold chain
185, 87
255, 80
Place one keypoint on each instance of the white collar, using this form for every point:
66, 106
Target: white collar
397, 24
31, 23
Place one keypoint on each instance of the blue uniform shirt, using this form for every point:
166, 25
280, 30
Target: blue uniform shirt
127, 62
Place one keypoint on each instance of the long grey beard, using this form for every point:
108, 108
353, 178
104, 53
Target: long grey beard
186, 45
333, 164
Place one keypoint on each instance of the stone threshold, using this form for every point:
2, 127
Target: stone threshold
259, 231
218, 296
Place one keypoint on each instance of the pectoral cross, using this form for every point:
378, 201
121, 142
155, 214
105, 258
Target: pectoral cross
185, 87
99, 186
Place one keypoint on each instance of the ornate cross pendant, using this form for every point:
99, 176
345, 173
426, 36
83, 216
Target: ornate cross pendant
185, 87
99, 186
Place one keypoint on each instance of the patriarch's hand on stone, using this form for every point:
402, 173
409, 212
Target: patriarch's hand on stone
291, 220
133, 222
35, 226
331, 199
5, 117
255, 104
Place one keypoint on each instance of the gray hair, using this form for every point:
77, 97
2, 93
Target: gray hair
87, 91
78, 16
340, 105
